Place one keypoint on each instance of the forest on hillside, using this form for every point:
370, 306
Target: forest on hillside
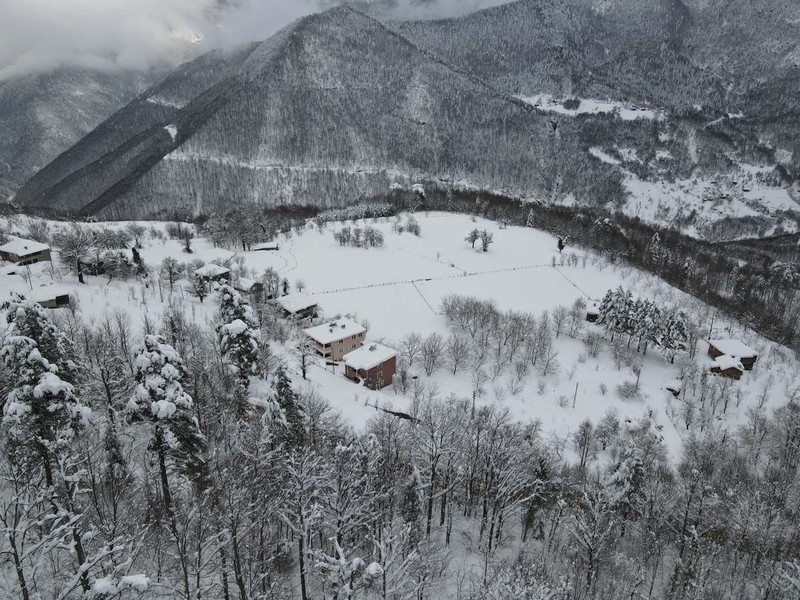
139, 461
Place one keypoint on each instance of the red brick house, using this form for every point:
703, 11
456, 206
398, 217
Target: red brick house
734, 348
334, 339
373, 364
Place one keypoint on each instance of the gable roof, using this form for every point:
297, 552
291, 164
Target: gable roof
735, 348
211, 270
49, 292
245, 284
333, 331
296, 302
23, 247
370, 355
725, 362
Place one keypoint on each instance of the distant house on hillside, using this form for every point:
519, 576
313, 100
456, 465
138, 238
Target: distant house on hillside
373, 364
24, 252
266, 247
298, 305
334, 339
51, 297
727, 366
734, 348
212, 272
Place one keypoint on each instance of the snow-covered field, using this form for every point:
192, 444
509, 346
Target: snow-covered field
626, 112
397, 290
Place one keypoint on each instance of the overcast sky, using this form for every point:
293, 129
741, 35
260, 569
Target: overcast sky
40, 35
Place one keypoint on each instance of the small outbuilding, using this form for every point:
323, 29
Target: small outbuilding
373, 364
727, 366
212, 272
24, 252
300, 306
266, 247
334, 339
734, 348
51, 297
592, 311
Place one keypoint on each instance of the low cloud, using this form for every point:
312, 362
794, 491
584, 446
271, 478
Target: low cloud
42, 35
434, 9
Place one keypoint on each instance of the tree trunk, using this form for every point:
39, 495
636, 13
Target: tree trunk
237, 565
301, 558
23, 584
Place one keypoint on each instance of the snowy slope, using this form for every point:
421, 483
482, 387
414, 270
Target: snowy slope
397, 290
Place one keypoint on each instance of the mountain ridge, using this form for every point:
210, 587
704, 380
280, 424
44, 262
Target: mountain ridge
293, 98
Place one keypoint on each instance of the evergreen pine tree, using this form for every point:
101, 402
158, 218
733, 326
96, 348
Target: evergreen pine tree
160, 401
29, 319
293, 413
238, 339
654, 252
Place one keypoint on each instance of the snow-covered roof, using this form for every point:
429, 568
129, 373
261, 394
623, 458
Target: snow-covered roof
266, 246
23, 247
245, 285
368, 356
296, 302
211, 270
333, 331
735, 348
726, 362
49, 292
592, 308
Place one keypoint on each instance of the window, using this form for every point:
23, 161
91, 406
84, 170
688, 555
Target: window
380, 374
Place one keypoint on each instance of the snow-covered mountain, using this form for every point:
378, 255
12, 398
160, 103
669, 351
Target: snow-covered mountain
42, 115
523, 99
331, 109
